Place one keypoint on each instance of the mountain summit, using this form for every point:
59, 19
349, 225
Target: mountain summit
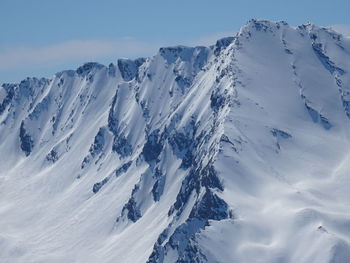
237, 152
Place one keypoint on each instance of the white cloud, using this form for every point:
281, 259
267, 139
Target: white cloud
211, 40
343, 29
88, 50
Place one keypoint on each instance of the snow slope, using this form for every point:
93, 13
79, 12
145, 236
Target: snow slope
237, 152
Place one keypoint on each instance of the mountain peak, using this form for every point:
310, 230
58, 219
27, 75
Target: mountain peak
88, 68
263, 25
197, 154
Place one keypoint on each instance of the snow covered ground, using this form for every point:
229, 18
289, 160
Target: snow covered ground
237, 152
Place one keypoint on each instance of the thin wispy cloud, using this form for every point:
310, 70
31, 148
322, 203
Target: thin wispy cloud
211, 39
73, 50
93, 50
88, 50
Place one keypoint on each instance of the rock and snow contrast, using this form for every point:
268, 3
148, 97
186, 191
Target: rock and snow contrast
237, 152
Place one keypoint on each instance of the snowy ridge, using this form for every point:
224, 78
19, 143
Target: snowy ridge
237, 152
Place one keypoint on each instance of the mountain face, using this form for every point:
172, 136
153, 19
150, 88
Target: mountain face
237, 152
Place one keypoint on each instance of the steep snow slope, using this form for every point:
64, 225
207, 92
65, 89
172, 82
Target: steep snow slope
236, 152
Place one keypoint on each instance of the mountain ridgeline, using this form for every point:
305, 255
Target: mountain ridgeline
236, 152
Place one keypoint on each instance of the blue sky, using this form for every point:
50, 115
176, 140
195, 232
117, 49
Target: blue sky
41, 37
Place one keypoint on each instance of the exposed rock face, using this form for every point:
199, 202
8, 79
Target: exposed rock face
229, 153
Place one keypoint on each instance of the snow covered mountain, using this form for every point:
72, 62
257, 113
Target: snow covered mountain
237, 152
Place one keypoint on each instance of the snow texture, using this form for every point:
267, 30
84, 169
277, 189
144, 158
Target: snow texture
237, 152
